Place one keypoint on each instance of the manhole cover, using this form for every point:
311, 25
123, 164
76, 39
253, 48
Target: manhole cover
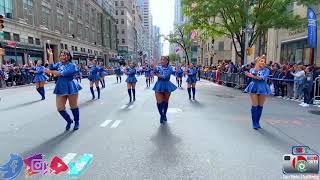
316, 112
224, 96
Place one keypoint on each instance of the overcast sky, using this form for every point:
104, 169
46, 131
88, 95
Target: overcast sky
163, 16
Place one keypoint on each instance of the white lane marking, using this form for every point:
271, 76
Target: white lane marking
174, 110
68, 158
131, 106
105, 123
116, 124
124, 107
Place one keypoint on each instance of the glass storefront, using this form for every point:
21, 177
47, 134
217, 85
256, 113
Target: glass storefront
296, 52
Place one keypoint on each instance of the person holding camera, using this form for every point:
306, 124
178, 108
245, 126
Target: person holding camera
258, 89
163, 87
131, 81
66, 88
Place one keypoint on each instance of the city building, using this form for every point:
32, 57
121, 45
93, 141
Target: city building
157, 46
179, 17
141, 37
127, 33
86, 28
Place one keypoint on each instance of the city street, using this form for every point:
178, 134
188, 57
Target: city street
210, 138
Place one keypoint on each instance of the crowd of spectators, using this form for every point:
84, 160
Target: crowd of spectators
290, 81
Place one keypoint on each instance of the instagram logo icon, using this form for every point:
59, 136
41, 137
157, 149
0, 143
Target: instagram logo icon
36, 164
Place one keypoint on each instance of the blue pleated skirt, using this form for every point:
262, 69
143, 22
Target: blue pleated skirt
191, 80
64, 88
164, 86
258, 88
94, 77
40, 78
102, 74
131, 79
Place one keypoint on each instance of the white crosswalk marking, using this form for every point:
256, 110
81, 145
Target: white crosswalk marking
68, 158
116, 124
105, 123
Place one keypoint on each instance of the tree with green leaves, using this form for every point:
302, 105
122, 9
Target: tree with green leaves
173, 58
230, 18
180, 37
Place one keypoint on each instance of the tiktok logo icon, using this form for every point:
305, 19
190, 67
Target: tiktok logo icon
12, 168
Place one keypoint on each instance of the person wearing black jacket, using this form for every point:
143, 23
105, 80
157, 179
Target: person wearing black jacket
289, 81
276, 83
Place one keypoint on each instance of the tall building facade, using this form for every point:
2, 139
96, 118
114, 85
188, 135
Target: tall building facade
87, 28
179, 17
141, 36
157, 46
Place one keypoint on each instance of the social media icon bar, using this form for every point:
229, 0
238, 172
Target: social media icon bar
298, 164
36, 164
12, 168
301, 150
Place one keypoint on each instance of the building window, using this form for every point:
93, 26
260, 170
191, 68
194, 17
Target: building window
30, 40
87, 7
45, 16
133, 11
38, 41
122, 21
70, 7
72, 48
59, 23
117, 41
59, 4
116, 12
116, 3
121, 3
117, 21
76, 48
93, 17
79, 10
71, 26
16, 37
221, 46
61, 46
65, 46
6, 8
123, 41
122, 12
28, 11
7, 36
123, 31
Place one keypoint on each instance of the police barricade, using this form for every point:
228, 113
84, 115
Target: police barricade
316, 97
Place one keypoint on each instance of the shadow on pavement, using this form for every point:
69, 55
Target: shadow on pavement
20, 105
86, 103
49, 145
197, 103
166, 146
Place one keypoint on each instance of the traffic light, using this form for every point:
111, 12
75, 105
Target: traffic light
1, 23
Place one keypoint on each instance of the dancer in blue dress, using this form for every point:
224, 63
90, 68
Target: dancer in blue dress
79, 73
258, 89
40, 78
102, 74
94, 78
163, 87
147, 73
118, 72
192, 80
66, 88
131, 81
179, 75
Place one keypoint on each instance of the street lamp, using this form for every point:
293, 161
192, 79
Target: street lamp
247, 29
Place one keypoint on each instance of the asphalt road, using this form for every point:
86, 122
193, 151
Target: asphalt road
210, 138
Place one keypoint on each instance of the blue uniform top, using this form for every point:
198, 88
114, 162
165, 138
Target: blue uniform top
65, 84
179, 72
40, 75
118, 71
192, 75
163, 83
259, 86
94, 73
147, 72
131, 72
102, 72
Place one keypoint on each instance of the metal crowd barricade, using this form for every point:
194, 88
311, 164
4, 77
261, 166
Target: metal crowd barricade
316, 98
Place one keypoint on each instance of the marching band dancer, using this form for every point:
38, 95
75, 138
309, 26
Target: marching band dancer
66, 87
40, 78
179, 75
192, 80
79, 74
118, 72
94, 78
102, 74
131, 81
258, 89
163, 87
147, 73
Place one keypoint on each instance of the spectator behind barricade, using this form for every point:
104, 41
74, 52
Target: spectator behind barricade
298, 80
276, 76
289, 81
307, 87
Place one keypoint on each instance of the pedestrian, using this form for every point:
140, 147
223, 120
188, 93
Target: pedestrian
40, 78
94, 78
118, 72
307, 87
163, 87
102, 74
298, 80
147, 74
179, 75
66, 88
192, 80
131, 81
258, 89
